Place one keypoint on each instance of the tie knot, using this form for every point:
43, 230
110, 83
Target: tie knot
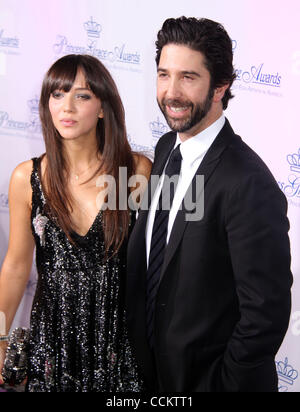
174, 164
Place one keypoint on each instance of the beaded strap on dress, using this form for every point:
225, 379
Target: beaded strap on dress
38, 198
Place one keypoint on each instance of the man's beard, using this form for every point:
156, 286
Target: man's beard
198, 112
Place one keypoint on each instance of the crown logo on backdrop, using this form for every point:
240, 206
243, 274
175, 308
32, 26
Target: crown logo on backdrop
234, 44
158, 129
34, 105
3, 200
294, 161
93, 29
286, 372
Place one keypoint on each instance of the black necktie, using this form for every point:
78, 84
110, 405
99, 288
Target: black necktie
159, 236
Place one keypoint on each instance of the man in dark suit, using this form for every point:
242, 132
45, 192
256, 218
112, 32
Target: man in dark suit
208, 299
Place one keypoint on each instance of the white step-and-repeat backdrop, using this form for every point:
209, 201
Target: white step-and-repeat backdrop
265, 111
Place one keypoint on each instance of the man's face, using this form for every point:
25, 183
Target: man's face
184, 93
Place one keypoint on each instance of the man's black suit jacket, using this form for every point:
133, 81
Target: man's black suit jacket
223, 304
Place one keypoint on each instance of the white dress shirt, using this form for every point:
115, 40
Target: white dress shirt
193, 151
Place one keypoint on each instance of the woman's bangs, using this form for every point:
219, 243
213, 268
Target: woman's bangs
62, 77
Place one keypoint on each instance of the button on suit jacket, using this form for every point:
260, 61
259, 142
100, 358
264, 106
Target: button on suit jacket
223, 303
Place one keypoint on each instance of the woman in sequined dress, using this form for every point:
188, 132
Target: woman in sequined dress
78, 335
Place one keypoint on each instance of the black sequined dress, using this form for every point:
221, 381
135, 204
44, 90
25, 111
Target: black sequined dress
78, 335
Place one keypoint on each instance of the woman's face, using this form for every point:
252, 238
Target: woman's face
75, 114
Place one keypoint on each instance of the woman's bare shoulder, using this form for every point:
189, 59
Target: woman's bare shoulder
23, 171
20, 183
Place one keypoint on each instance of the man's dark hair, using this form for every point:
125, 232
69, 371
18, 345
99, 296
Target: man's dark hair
208, 37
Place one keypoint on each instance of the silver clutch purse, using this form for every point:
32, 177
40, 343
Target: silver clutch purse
15, 364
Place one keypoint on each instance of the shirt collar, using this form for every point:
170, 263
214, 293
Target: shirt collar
197, 146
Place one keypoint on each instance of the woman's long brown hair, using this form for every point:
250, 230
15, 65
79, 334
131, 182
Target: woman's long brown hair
112, 143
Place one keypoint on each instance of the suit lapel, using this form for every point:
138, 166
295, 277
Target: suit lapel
207, 167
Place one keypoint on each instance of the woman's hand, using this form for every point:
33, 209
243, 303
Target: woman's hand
3, 347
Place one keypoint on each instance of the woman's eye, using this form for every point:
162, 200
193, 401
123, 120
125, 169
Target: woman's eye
83, 96
56, 94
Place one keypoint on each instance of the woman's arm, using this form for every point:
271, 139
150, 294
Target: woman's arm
140, 180
143, 165
18, 261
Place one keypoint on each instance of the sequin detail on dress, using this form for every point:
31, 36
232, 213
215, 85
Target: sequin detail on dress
78, 335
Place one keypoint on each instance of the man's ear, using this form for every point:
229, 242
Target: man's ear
219, 93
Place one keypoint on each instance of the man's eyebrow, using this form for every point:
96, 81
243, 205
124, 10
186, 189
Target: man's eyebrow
191, 73
184, 72
161, 69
